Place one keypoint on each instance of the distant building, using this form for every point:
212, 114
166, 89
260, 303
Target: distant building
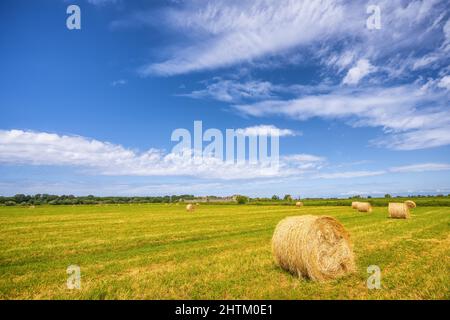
211, 199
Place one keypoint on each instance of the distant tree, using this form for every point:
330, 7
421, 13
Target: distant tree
287, 197
241, 199
275, 197
387, 196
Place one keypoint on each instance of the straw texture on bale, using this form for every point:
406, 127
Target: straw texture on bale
190, 207
355, 205
364, 207
399, 211
299, 204
410, 204
314, 247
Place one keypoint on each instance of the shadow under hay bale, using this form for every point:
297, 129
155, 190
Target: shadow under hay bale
314, 247
364, 207
399, 211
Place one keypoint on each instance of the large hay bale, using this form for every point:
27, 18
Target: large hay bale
411, 204
355, 205
314, 247
299, 204
364, 207
398, 211
190, 207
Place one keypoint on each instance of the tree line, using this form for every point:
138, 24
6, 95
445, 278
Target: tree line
44, 199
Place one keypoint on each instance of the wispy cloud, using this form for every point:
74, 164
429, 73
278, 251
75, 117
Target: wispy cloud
359, 71
350, 174
233, 91
225, 33
422, 167
412, 168
410, 118
104, 158
266, 130
102, 2
239, 31
120, 82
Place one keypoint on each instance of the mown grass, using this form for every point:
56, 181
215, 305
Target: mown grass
218, 252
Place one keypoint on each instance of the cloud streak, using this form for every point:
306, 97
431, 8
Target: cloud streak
411, 119
224, 33
104, 158
239, 31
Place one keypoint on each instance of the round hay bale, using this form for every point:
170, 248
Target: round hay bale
314, 247
32, 207
190, 207
299, 204
364, 207
355, 205
411, 204
398, 211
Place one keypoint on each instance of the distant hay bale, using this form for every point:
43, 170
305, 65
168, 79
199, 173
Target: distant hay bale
32, 207
364, 207
197, 204
314, 247
299, 204
411, 204
355, 205
399, 211
190, 208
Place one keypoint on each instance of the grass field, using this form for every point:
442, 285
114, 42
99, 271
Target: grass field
218, 252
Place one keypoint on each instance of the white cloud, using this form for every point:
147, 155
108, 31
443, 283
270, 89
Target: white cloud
225, 33
120, 82
231, 32
233, 91
102, 2
341, 60
446, 30
350, 174
266, 130
417, 139
422, 167
412, 120
444, 83
103, 158
355, 74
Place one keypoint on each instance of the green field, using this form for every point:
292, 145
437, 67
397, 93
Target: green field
218, 252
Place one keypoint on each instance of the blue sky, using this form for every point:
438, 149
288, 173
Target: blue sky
91, 111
